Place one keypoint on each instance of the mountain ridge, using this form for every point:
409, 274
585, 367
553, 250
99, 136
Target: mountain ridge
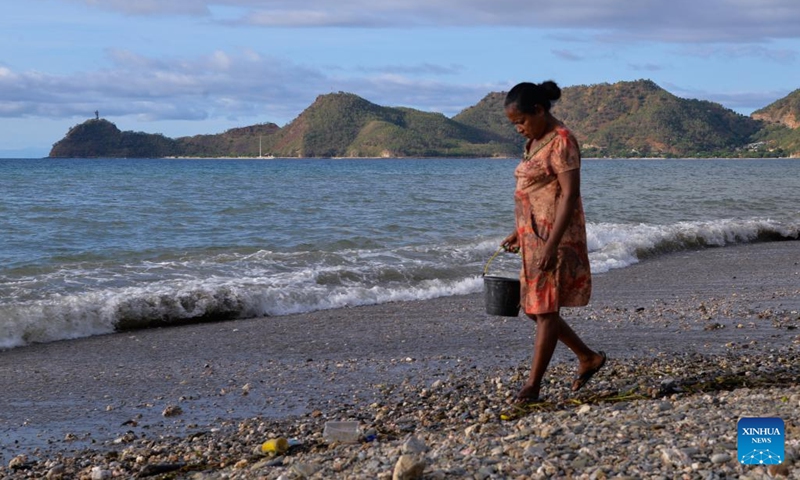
623, 119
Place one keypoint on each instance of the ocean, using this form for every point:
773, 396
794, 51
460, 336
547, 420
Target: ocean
93, 246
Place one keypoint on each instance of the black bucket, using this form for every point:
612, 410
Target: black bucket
501, 294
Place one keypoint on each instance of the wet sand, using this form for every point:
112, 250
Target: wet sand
70, 395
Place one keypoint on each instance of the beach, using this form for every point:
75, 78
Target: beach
696, 340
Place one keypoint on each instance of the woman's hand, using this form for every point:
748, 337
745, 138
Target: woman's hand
549, 258
570, 182
511, 243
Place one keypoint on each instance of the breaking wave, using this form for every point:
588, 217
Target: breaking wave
230, 285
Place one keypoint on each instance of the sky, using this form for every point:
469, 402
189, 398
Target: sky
187, 67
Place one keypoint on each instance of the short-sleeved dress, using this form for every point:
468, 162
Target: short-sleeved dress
536, 196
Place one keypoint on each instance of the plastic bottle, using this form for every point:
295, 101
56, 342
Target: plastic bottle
342, 432
275, 445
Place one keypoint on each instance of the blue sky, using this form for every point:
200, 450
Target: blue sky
185, 67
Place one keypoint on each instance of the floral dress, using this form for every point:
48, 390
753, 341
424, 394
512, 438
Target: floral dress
536, 196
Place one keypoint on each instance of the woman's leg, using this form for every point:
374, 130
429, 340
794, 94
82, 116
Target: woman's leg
550, 328
590, 361
544, 344
588, 357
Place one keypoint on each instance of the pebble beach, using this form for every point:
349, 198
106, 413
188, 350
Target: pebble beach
696, 340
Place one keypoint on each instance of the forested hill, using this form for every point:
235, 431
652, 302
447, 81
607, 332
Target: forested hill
101, 138
637, 119
346, 125
624, 119
782, 119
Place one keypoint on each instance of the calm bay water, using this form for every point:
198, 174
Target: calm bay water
91, 246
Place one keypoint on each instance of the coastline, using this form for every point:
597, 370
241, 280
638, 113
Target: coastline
711, 313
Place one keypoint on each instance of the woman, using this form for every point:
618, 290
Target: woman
550, 233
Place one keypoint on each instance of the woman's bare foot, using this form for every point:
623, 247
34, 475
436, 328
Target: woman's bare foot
528, 393
587, 369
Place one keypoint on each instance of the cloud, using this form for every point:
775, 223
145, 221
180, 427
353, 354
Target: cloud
312, 18
779, 55
680, 21
426, 95
238, 85
152, 7
160, 89
738, 101
418, 69
567, 55
645, 67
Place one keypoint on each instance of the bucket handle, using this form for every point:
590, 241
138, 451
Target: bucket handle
486, 268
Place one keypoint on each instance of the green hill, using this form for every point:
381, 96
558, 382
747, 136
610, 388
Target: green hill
624, 119
488, 114
785, 111
100, 138
236, 142
346, 125
631, 119
783, 124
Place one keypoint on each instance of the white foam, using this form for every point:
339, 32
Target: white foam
97, 300
620, 245
73, 316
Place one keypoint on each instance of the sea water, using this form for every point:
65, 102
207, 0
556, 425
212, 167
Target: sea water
91, 246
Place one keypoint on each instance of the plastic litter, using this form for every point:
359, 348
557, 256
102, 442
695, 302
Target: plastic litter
342, 432
275, 445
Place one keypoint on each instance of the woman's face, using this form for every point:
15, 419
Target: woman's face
529, 125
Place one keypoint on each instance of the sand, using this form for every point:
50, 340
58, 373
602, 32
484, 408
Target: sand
89, 390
